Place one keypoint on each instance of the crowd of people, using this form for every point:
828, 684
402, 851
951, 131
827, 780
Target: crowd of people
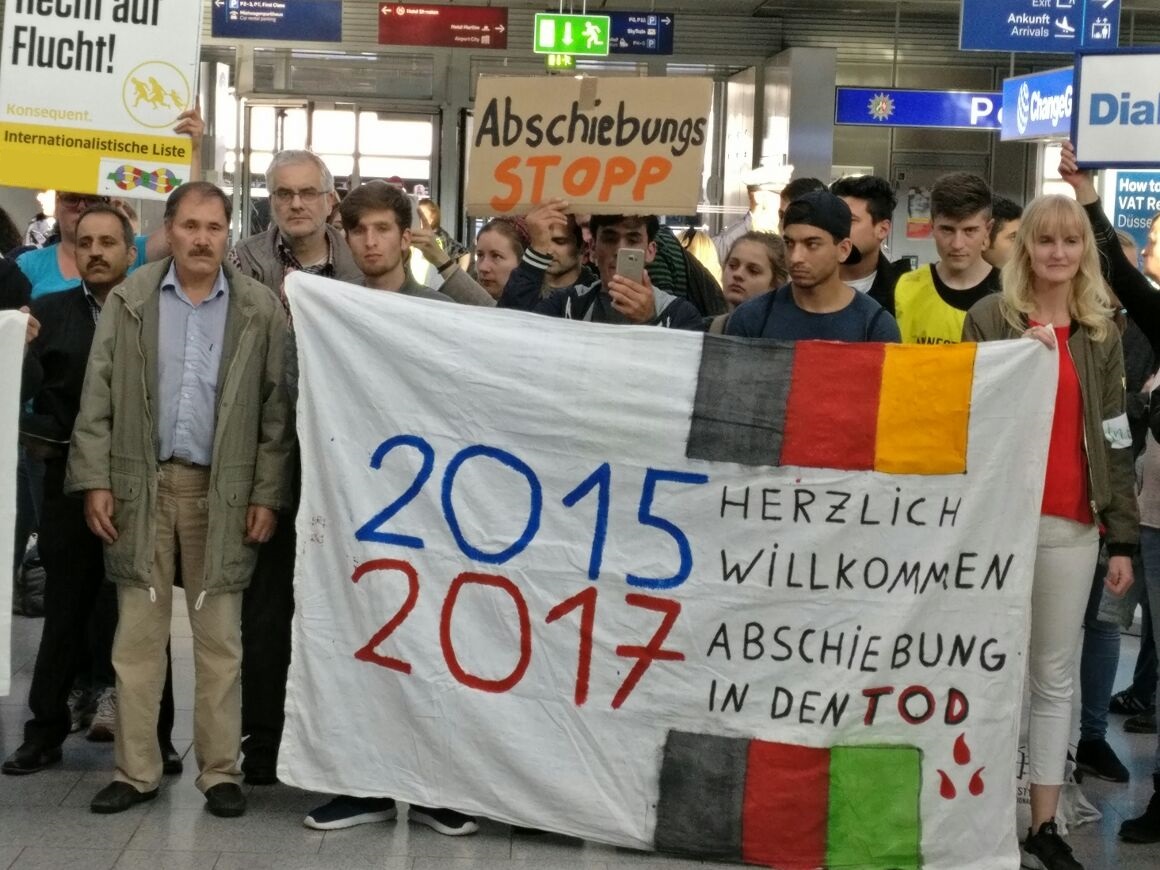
158, 447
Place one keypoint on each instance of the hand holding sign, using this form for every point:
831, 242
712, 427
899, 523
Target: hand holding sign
1079, 179
544, 220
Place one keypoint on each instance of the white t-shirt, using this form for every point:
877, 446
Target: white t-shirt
863, 285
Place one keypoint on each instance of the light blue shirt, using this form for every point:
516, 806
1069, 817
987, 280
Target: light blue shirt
190, 354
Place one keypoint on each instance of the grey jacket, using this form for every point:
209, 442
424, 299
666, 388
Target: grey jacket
115, 442
258, 258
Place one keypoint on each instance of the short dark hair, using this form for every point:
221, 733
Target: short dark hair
874, 190
800, 187
651, 222
106, 208
200, 189
959, 195
375, 196
1004, 211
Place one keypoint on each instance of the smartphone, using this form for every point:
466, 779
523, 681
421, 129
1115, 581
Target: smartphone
630, 264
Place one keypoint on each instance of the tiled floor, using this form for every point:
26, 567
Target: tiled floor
45, 821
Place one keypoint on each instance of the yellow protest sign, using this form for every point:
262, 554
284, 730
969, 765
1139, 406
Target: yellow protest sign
90, 91
608, 145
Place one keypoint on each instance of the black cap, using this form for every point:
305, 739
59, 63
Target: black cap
821, 209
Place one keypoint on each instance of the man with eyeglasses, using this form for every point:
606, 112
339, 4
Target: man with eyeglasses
301, 189
53, 268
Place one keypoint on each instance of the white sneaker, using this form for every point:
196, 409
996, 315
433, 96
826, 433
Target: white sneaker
104, 725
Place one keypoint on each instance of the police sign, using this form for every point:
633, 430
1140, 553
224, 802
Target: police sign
1039, 105
1116, 121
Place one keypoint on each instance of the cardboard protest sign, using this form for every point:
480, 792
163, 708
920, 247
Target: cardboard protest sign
607, 145
90, 91
665, 590
12, 327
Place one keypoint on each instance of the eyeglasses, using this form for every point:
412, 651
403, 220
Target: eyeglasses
77, 200
308, 195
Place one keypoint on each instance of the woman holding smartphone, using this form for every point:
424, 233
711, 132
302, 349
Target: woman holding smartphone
1053, 292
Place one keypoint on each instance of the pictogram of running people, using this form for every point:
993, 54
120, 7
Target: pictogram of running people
153, 93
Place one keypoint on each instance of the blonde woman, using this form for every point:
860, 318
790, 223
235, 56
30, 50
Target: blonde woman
1053, 292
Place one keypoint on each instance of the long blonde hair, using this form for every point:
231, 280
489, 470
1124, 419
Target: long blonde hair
1088, 303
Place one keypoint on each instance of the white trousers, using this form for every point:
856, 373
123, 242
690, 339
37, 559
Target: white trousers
1065, 559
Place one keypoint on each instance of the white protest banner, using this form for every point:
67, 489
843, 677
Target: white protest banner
661, 589
606, 145
90, 91
12, 329
1116, 121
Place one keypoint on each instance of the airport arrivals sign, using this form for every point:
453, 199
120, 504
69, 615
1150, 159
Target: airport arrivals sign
1116, 121
1060, 26
607, 145
587, 584
90, 92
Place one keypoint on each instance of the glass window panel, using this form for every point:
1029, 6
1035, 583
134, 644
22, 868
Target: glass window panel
388, 167
339, 164
333, 131
259, 160
262, 128
382, 136
294, 128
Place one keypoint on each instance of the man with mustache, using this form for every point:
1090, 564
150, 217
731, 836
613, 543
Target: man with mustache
181, 448
80, 612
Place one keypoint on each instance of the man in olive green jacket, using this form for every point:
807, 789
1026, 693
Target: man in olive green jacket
181, 449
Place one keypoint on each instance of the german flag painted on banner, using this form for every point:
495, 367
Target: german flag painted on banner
893, 408
790, 807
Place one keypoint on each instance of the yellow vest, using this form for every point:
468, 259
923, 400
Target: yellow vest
923, 317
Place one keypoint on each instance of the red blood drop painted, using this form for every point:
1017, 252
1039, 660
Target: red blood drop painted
962, 751
976, 784
946, 787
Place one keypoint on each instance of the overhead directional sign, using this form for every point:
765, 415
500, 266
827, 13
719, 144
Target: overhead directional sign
1042, 105
1039, 25
641, 33
445, 26
897, 107
302, 20
571, 34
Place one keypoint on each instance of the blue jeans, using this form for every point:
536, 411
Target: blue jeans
1150, 550
1098, 662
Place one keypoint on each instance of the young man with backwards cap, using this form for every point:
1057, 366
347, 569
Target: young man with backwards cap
815, 304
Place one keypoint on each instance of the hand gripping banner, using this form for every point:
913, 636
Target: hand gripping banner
663, 590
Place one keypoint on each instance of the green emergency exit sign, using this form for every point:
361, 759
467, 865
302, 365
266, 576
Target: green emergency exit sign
571, 34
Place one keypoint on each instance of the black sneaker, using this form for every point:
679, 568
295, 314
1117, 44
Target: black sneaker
1146, 828
1125, 703
345, 811
1046, 850
1141, 723
444, 821
1099, 759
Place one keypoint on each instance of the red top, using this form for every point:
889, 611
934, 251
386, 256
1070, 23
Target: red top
1065, 493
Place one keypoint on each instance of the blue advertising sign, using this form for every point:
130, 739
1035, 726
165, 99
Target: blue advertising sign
298, 20
641, 33
1137, 202
1042, 102
1039, 25
896, 107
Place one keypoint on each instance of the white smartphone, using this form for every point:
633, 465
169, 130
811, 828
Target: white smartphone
416, 217
630, 264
